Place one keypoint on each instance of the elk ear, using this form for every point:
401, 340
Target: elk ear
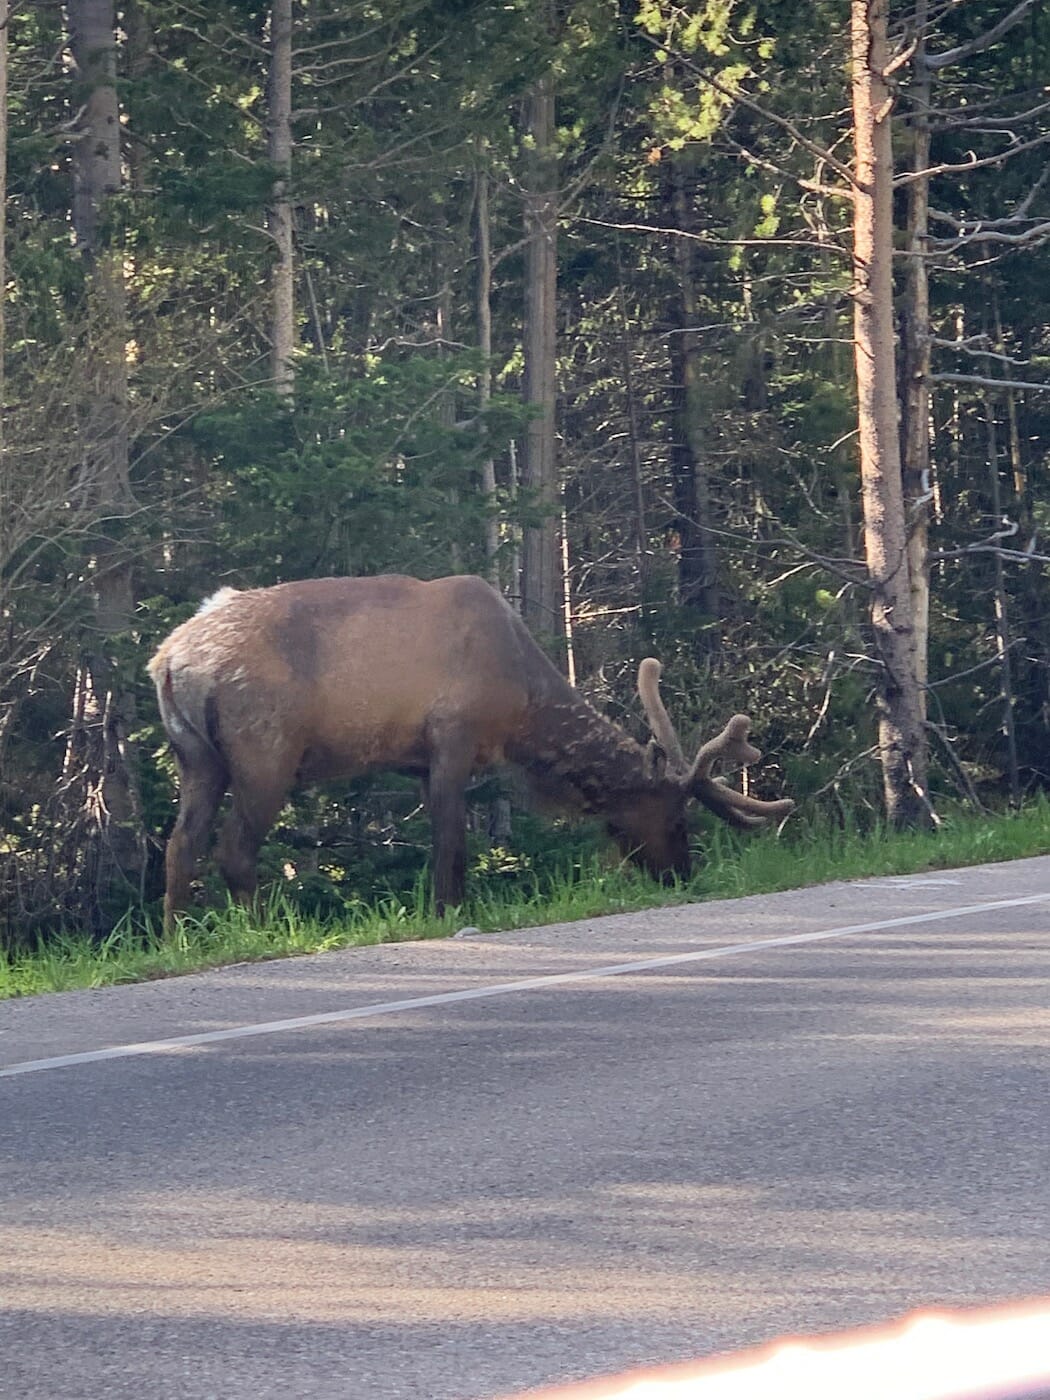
655, 761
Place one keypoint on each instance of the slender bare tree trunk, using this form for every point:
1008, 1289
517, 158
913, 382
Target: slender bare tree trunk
1003, 643
514, 586
542, 602
447, 405
566, 597
1033, 592
279, 150
641, 527
5, 471
698, 562
915, 349
138, 59
902, 739
483, 312
99, 765
4, 483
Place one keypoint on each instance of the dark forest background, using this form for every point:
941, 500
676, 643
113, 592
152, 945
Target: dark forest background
559, 293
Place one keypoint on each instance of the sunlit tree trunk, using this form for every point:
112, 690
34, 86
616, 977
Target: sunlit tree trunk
902, 739
915, 352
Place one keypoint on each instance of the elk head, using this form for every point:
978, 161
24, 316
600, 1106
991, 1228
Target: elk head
695, 780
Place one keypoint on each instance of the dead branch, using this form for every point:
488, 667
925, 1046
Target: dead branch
976, 345
937, 61
713, 242
1029, 237
985, 383
963, 167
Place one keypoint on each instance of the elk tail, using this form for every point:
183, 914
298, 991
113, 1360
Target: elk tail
188, 711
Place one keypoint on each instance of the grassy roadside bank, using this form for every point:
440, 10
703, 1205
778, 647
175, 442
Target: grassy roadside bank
732, 868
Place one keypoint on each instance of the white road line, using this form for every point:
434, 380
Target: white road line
498, 989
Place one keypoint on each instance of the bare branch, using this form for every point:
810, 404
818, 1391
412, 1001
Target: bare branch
1019, 215
972, 670
988, 383
1038, 233
937, 61
1018, 556
946, 121
813, 186
976, 345
847, 767
815, 244
961, 168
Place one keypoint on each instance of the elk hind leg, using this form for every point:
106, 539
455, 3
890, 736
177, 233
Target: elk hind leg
253, 810
202, 782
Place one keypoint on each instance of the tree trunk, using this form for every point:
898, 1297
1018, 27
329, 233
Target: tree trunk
515, 592
1003, 643
1035, 661
4, 482
483, 311
565, 575
641, 527
542, 602
99, 767
697, 560
279, 150
137, 47
902, 739
915, 370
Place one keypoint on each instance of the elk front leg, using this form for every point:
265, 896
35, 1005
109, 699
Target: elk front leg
446, 789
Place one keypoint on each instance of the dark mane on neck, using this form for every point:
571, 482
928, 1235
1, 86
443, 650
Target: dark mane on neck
576, 758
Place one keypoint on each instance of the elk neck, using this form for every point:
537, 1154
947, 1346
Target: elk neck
575, 757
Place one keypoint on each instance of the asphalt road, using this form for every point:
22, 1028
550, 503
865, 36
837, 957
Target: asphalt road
454, 1170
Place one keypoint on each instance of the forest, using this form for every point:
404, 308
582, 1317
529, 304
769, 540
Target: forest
718, 333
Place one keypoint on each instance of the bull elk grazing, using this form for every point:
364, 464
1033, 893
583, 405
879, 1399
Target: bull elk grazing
271, 688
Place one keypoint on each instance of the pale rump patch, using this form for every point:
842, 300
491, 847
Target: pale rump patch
217, 600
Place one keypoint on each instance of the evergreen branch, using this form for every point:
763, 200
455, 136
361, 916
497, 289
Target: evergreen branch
767, 114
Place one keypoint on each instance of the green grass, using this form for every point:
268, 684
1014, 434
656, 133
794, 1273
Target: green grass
804, 855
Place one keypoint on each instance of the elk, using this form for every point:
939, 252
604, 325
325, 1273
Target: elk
268, 689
